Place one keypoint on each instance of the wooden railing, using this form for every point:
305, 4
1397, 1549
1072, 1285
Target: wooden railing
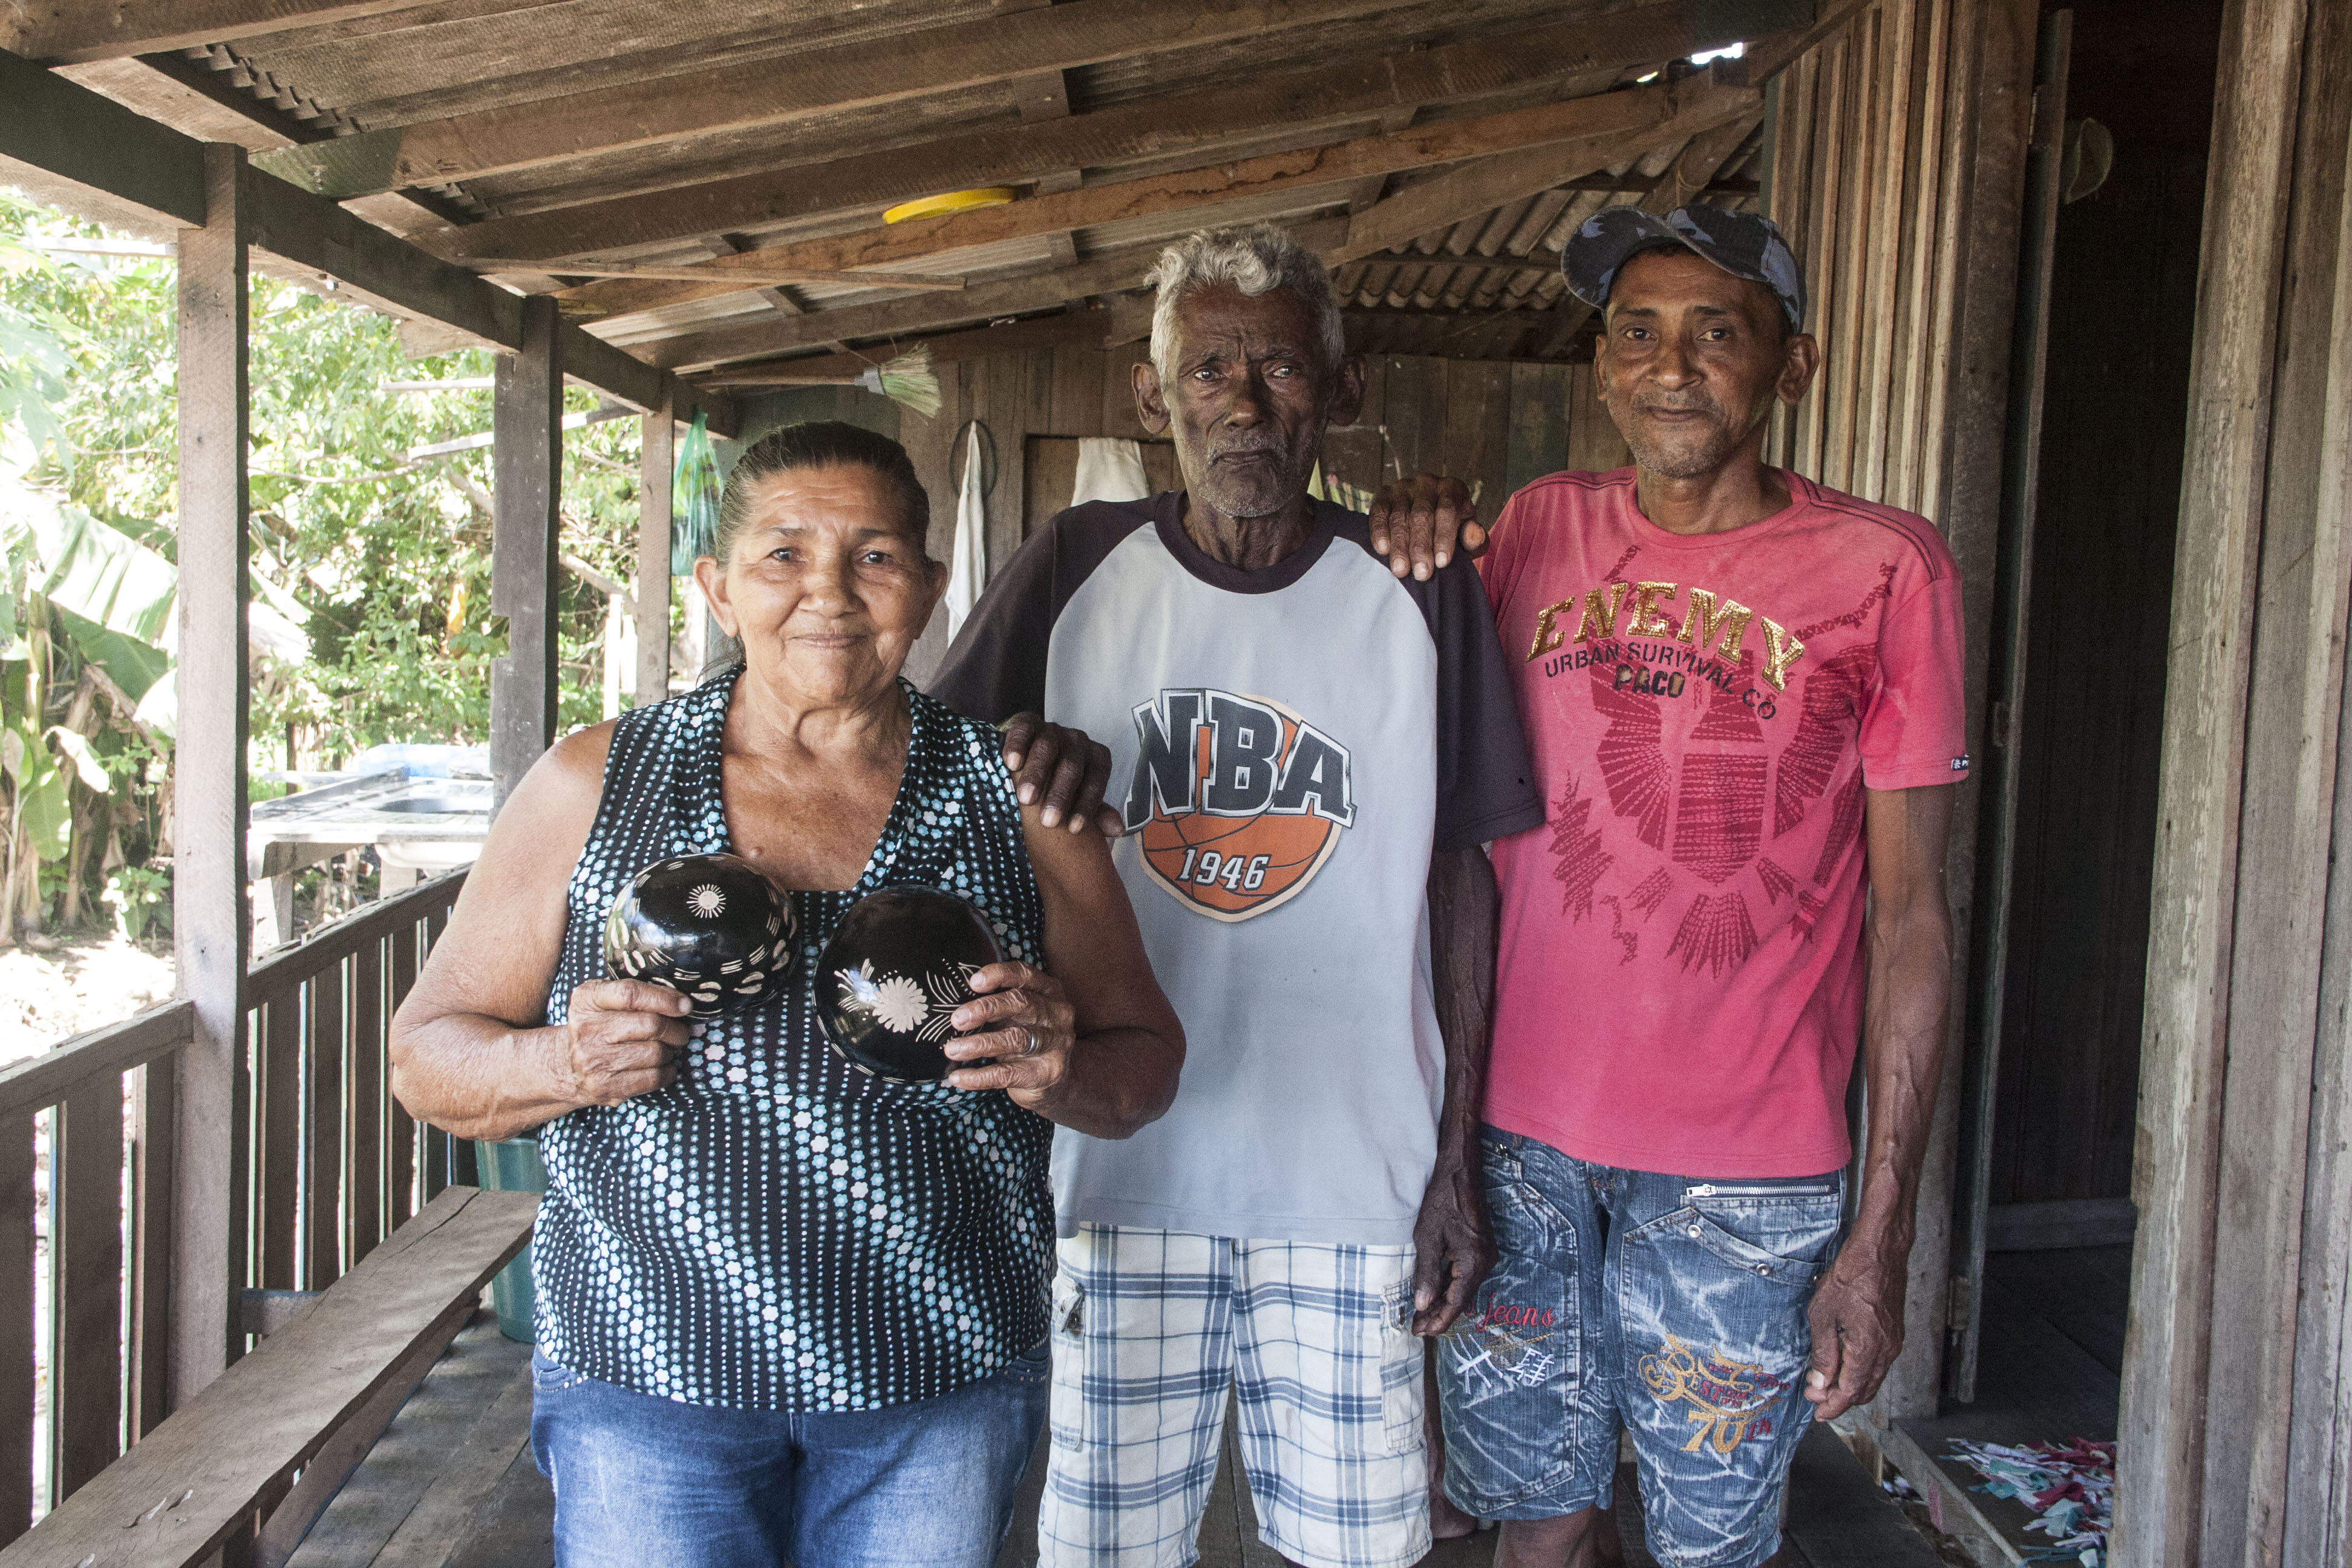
331, 1165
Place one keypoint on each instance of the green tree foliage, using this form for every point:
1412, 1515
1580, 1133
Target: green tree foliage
373, 560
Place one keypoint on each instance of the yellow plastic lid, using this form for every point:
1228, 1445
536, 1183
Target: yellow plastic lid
952, 202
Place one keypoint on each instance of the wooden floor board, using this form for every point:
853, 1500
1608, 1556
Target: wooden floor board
416, 1450
2052, 1322
1838, 1516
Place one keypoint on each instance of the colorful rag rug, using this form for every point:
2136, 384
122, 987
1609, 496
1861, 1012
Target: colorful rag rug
2072, 1486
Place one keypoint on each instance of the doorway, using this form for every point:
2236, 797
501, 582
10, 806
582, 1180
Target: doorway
2064, 1082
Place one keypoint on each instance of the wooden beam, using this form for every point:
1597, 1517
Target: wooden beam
320, 236
1645, 115
209, 920
1040, 291
1681, 111
838, 369
69, 32
41, 1082
657, 485
526, 459
1359, 86
57, 129
71, 143
747, 277
741, 95
1617, 126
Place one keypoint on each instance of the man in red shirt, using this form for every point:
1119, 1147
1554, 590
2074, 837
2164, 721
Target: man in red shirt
1743, 694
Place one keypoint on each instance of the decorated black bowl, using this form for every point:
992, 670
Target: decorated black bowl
893, 974
710, 926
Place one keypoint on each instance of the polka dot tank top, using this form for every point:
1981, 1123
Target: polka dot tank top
778, 1231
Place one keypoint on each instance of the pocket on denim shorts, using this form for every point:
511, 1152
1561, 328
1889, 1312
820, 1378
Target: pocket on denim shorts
1066, 1339
1782, 1233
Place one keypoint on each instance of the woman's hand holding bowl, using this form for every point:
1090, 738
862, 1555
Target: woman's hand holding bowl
1023, 1019
621, 1039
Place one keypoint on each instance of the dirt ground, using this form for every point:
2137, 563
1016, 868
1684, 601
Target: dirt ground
45, 997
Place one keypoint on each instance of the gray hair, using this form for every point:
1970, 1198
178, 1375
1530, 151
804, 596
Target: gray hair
1256, 260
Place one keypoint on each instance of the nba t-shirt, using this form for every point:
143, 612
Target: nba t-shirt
1681, 977
1287, 744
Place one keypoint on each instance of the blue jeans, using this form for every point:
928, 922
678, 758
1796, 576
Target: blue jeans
1673, 1307
641, 1481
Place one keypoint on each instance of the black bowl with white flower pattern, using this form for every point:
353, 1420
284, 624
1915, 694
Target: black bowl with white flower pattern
894, 973
708, 926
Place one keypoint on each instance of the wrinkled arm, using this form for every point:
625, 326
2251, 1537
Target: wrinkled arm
1454, 1248
470, 1053
1857, 1309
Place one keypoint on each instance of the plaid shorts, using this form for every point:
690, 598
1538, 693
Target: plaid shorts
1151, 1327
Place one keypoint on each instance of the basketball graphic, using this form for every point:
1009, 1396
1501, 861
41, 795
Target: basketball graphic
1236, 800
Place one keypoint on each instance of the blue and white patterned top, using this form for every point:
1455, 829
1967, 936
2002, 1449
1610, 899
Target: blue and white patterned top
778, 1231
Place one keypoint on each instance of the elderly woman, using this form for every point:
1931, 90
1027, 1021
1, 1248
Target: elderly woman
788, 1312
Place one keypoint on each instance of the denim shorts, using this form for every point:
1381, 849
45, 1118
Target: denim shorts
641, 1481
1671, 1307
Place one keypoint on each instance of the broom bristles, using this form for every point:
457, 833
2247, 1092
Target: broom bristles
909, 382
906, 381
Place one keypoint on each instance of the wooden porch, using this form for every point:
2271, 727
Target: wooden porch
687, 213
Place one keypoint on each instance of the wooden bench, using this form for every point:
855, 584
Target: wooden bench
311, 1398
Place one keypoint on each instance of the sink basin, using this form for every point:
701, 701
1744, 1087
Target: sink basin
421, 804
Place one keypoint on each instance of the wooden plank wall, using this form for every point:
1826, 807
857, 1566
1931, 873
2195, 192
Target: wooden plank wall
2237, 1427
1897, 173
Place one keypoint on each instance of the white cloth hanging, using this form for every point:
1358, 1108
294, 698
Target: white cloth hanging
1109, 469
968, 562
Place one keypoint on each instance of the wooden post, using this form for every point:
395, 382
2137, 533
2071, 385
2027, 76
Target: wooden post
655, 484
208, 884
527, 463
2005, 654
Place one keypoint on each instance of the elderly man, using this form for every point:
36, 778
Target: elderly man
1743, 693
1309, 749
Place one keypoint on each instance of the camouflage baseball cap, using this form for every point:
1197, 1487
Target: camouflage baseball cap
1742, 244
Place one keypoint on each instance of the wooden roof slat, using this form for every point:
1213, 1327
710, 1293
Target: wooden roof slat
1563, 127
1697, 104
1345, 85
732, 95
1661, 118
62, 32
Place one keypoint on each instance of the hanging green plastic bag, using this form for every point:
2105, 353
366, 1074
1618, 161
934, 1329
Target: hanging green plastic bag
694, 501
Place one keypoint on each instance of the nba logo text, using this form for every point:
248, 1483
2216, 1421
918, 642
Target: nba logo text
1238, 800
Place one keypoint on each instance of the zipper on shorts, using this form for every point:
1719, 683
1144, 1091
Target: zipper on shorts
1711, 1190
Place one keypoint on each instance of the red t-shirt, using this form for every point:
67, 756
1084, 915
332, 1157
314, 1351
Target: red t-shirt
1681, 978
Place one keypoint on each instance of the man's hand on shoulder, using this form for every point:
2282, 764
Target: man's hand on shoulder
1419, 523
1068, 769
